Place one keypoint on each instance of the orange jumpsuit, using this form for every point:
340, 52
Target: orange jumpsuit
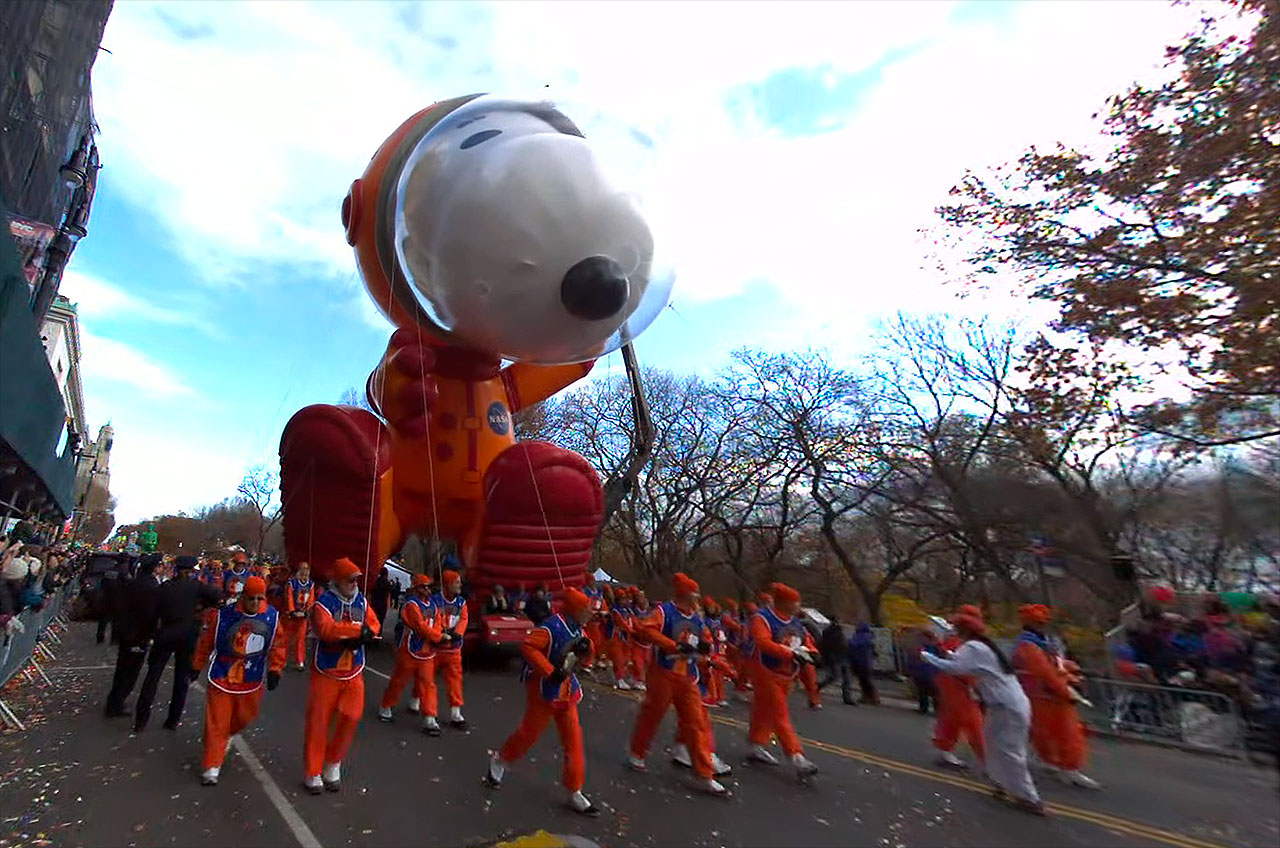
620, 642
673, 681
448, 660
773, 670
599, 610
335, 699
542, 705
415, 656
639, 650
958, 712
298, 599
235, 680
734, 654
1057, 734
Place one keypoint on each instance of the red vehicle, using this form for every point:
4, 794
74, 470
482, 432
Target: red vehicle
503, 634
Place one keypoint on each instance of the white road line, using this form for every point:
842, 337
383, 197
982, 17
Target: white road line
283, 805
379, 673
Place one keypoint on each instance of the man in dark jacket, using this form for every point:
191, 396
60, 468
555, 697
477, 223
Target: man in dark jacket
862, 655
538, 607
835, 657
179, 604
132, 631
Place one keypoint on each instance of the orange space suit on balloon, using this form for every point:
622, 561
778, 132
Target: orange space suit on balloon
486, 230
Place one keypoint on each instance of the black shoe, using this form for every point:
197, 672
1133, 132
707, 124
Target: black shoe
139, 726
171, 724
459, 725
110, 713
333, 785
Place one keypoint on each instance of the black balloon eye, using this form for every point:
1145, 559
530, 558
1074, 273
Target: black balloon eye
479, 138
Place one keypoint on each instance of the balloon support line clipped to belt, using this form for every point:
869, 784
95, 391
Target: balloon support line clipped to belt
1104, 820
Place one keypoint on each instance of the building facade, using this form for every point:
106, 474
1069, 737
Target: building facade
61, 338
48, 176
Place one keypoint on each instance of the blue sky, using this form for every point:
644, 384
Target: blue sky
798, 148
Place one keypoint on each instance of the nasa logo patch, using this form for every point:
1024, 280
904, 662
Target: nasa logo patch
499, 418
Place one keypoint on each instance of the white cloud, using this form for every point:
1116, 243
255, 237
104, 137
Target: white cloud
245, 136
97, 299
155, 472
113, 362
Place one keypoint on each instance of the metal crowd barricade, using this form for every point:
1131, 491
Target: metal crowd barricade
22, 652
1196, 719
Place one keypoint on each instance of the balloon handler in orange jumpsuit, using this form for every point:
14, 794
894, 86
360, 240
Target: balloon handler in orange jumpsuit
780, 647
300, 595
344, 624
509, 257
620, 631
959, 715
552, 651
417, 634
451, 619
678, 638
599, 612
1057, 733
242, 646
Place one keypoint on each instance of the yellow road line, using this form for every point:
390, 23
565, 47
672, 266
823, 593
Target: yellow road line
1100, 819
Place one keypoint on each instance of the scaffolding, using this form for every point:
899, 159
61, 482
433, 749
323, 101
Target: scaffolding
47, 51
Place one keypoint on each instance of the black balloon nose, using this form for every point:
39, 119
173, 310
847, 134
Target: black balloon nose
594, 289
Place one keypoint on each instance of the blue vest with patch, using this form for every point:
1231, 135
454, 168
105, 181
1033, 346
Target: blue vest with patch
332, 659
418, 647
787, 632
681, 629
563, 634
241, 645
450, 613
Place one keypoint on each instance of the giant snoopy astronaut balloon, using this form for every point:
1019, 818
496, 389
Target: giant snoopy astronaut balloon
490, 234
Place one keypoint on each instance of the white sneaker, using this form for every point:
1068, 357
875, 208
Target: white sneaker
622, 686
209, 777
455, 715
331, 773
719, 767
712, 787
384, 714
761, 754
947, 758
723, 702
497, 770
639, 686
415, 706
430, 726
314, 784
580, 804
636, 763
1077, 778
804, 768
680, 756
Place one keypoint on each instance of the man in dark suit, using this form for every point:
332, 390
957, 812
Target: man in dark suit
132, 631
179, 604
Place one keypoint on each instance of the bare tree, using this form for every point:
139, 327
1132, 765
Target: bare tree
258, 489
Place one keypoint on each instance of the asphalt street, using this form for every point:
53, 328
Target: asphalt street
76, 779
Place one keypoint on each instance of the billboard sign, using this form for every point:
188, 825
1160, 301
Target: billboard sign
32, 239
